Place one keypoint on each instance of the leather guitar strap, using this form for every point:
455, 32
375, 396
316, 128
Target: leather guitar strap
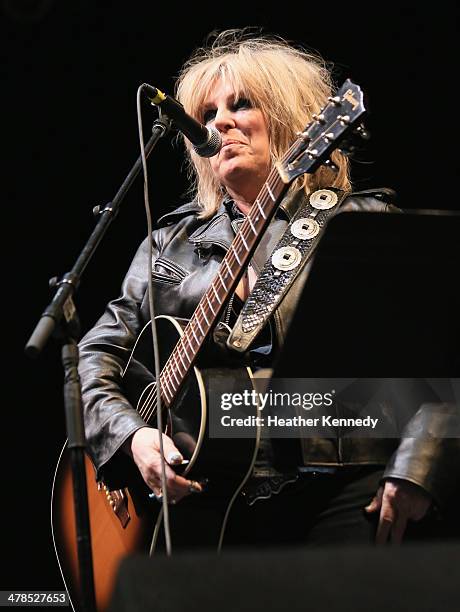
288, 258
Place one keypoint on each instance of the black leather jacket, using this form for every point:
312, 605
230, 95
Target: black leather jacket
187, 254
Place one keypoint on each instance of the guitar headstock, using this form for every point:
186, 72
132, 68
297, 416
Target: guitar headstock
335, 121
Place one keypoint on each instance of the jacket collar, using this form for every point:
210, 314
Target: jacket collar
217, 230
174, 215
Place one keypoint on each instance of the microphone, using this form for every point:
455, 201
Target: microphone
206, 141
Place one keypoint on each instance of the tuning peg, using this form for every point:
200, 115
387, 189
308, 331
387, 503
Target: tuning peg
304, 134
347, 149
327, 137
362, 132
319, 118
312, 153
344, 119
335, 100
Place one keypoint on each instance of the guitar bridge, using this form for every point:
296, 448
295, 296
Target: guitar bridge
118, 501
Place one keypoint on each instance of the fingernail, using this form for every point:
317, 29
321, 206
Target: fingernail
174, 458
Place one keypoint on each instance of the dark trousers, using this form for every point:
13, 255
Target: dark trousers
315, 510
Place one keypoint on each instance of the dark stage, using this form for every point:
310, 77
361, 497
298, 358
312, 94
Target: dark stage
71, 71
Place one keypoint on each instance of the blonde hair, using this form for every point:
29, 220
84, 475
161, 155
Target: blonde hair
286, 83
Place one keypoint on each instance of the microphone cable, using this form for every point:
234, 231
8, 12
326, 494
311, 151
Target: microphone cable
156, 351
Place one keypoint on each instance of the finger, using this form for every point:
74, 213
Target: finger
195, 487
184, 488
398, 529
383, 531
154, 474
156, 494
156, 469
172, 454
376, 502
373, 506
174, 457
178, 481
155, 485
386, 521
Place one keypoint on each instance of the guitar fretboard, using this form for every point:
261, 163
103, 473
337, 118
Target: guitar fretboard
212, 303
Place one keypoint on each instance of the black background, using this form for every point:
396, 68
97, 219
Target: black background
70, 137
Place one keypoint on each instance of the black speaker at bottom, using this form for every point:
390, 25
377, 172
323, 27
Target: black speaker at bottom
418, 578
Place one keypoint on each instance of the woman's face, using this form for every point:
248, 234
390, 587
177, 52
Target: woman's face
243, 163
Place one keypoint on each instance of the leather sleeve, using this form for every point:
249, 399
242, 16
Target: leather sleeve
104, 351
371, 200
429, 451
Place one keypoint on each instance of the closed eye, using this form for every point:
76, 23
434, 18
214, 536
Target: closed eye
209, 115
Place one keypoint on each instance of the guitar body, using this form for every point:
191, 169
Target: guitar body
110, 539
124, 521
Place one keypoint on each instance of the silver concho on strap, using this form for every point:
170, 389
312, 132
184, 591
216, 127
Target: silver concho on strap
323, 199
305, 228
286, 258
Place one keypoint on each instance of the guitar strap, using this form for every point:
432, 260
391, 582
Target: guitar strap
290, 255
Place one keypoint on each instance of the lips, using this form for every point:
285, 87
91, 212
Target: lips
231, 142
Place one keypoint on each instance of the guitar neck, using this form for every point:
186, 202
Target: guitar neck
214, 300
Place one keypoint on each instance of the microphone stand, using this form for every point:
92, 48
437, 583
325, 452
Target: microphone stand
60, 319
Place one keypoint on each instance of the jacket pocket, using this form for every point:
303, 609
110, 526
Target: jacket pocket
167, 271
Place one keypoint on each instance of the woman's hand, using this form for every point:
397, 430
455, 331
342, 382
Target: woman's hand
398, 501
144, 447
